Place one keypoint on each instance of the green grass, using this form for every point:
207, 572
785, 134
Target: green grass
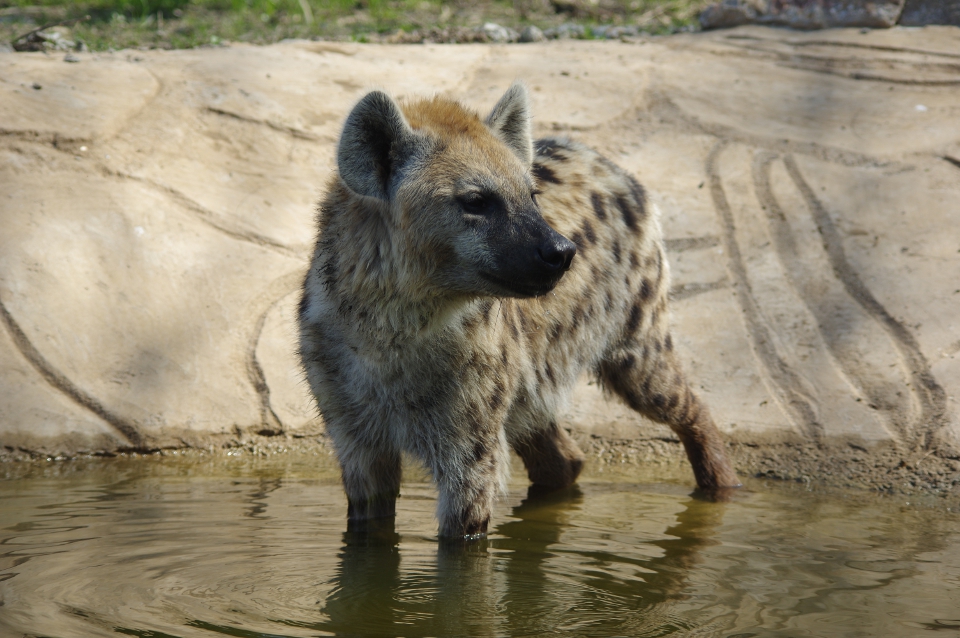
189, 23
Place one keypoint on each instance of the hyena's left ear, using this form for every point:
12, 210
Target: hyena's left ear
375, 142
510, 121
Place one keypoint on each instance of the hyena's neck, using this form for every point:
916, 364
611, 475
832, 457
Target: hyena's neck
380, 293
381, 304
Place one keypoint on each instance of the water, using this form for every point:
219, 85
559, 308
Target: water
246, 547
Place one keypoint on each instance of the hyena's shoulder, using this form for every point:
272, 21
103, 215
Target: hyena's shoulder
587, 197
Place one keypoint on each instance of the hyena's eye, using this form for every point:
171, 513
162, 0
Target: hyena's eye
477, 203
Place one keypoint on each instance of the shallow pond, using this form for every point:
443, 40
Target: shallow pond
244, 547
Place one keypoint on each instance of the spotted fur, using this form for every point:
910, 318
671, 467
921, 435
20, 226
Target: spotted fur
422, 329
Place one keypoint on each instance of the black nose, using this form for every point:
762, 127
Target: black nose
557, 253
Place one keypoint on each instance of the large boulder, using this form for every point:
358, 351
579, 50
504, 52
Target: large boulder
803, 14
918, 13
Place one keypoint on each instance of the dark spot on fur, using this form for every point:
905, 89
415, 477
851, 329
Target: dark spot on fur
504, 357
608, 301
646, 290
659, 400
657, 345
473, 419
633, 321
639, 196
634, 259
628, 362
595, 272
616, 250
479, 451
473, 363
328, 273
576, 318
589, 232
511, 324
555, 331
545, 174
598, 208
550, 148
549, 371
577, 238
524, 322
627, 211
668, 343
496, 399
673, 401
485, 307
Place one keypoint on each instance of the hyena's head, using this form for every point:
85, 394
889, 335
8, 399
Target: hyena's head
457, 192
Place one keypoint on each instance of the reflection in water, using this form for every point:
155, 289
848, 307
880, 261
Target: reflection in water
506, 585
365, 594
146, 549
258, 497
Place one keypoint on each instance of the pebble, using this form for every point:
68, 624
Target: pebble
532, 34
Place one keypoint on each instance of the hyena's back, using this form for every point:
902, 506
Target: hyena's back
607, 318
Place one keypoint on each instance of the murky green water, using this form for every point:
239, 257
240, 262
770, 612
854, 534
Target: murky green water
158, 548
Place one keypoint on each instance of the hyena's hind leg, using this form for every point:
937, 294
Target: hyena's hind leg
647, 375
371, 479
552, 458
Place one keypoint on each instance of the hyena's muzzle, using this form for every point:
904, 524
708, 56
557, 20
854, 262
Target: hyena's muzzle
529, 257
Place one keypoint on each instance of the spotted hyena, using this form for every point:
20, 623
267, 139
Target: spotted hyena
464, 278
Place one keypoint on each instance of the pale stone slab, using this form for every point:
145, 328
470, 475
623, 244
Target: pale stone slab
157, 216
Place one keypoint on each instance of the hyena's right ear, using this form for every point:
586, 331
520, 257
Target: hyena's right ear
510, 121
375, 140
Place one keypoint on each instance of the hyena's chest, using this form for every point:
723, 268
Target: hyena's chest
434, 384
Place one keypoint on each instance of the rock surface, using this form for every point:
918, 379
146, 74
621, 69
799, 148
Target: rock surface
803, 14
157, 214
917, 13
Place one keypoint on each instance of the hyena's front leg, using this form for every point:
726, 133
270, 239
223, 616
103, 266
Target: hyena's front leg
371, 479
470, 476
647, 375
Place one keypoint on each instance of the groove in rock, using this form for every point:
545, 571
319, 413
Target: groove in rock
952, 160
667, 110
787, 381
276, 291
933, 399
61, 383
691, 243
289, 130
209, 218
808, 278
685, 291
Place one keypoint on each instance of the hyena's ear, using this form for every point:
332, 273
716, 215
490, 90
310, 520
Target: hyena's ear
510, 121
375, 141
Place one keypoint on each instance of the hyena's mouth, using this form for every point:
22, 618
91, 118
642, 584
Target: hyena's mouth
523, 289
